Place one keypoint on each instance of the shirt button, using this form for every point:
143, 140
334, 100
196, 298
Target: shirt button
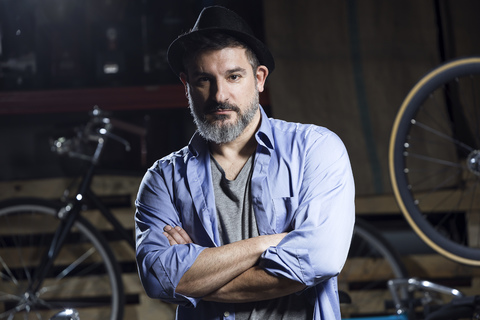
226, 314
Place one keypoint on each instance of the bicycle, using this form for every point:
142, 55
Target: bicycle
67, 314
427, 300
434, 159
51, 257
371, 262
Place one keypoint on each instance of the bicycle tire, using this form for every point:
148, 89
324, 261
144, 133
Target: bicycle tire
85, 275
434, 159
371, 262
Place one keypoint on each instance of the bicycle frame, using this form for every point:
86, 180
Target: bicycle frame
69, 213
399, 286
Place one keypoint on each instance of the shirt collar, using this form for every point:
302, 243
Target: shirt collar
197, 144
264, 134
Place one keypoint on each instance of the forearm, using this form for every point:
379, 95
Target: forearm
215, 267
254, 285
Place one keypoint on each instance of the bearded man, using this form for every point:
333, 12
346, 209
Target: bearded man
254, 218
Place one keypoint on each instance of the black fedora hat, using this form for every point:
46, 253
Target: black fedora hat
223, 20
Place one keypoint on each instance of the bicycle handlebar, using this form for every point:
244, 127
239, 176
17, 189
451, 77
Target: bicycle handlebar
460, 306
404, 287
98, 130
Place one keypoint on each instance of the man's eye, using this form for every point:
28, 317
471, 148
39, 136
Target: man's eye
234, 77
202, 80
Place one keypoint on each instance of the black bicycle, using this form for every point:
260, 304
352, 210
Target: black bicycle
51, 257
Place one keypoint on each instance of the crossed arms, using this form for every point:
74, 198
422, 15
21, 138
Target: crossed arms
320, 214
229, 273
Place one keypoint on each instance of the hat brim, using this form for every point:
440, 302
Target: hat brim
176, 49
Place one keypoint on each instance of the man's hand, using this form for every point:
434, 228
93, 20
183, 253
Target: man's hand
176, 235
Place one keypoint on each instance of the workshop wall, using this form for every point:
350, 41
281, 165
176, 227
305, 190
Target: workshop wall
348, 65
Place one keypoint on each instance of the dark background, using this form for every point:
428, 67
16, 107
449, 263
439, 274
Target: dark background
53, 53
343, 64
54, 44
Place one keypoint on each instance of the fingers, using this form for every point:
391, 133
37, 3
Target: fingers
176, 235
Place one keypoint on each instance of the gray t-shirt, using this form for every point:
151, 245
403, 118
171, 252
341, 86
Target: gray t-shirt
236, 221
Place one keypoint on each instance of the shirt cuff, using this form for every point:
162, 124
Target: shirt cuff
290, 263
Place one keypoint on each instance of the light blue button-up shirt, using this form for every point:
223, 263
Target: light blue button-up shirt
302, 183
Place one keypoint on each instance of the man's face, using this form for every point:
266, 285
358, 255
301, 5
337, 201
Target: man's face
223, 93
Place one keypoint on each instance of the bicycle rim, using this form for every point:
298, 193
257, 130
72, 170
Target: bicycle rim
84, 276
434, 159
372, 261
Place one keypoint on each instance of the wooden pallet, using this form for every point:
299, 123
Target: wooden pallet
124, 188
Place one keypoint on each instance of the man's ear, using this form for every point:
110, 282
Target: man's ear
261, 75
183, 78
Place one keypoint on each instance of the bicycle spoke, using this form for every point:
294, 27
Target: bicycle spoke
435, 120
68, 270
75, 264
4, 296
20, 256
442, 135
436, 161
9, 275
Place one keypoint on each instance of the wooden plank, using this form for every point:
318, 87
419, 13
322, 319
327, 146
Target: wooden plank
376, 204
111, 99
436, 266
439, 201
83, 100
365, 269
52, 188
371, 302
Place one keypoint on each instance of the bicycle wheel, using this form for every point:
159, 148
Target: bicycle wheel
434, 159
85, 275
372, 261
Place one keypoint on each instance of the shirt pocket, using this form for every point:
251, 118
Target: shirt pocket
284, 210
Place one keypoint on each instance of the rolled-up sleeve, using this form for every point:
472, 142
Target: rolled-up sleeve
321, 227
160, 265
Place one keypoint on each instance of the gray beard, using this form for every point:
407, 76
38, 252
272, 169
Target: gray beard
219, 132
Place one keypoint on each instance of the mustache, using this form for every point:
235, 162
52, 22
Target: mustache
213, 107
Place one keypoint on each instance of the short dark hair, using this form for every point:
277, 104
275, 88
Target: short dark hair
200, 42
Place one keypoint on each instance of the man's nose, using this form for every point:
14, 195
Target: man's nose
219, 91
